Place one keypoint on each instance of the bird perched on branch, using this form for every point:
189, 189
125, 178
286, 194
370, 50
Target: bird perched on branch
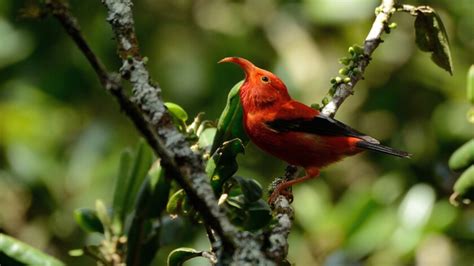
293, 131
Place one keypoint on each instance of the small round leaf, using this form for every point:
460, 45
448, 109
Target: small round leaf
88, 220
177, 111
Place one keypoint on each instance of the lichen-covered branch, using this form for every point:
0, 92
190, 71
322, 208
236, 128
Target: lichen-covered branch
372, 41
278, 238
180, 162
147, 111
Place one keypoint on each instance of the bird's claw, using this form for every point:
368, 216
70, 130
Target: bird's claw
286, 192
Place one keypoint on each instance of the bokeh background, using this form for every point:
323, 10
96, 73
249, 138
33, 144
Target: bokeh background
61, 134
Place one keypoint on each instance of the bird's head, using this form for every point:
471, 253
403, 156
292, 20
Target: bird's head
261, 87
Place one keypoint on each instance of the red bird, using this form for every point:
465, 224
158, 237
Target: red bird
293, 131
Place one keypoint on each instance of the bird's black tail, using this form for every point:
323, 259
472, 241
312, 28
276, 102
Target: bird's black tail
383, 149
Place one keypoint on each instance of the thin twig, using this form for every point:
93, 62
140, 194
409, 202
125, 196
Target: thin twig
282, 208
372, 41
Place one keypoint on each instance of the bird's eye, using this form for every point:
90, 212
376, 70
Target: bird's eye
265, 79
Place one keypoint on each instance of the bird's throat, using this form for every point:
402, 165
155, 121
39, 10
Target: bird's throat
253, 100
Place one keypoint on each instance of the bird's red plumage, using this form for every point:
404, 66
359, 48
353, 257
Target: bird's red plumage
265, 98
297, 148
302, 136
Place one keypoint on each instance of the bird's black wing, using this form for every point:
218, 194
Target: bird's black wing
319, 125
326, 126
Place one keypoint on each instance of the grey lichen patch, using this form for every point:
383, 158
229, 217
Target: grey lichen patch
278, 245
249, 251
278, 239
144, 93
120, 11
126, 44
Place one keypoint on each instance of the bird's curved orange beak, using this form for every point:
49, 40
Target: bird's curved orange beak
245, 64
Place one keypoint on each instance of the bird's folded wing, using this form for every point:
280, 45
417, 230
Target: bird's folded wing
318, 125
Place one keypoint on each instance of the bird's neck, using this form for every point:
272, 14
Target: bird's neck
253, 101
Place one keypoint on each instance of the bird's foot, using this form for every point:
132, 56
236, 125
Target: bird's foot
281, 189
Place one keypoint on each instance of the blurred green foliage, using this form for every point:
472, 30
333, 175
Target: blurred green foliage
61, 135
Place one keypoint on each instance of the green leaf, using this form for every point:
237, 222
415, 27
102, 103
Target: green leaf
251, 189
178, 256
143, 237
248, 215
259, 215
470, 85
88, 220
141, 164
175, 203
431, 37
120, 193
223, 164
463, 157
245, 206
178, 115
230, 123
153, 194
161, 191
102, 213
464, 187
132, 172
177, 111
76, 252
25, 253
207, 137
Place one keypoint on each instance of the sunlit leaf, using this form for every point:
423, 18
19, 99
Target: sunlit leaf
178, 115
230, 123
88, 220
206, 138
431, 37
175, 203
464, 187
177, 111
76, 252
25, 253
236, 202
463, 157
102, 213
178, 256
470, 85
